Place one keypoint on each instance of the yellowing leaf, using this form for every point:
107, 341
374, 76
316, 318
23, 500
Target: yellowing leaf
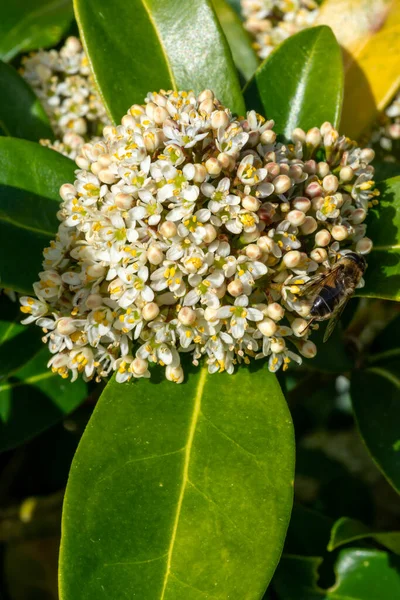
369, 33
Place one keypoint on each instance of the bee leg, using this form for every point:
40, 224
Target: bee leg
307, 326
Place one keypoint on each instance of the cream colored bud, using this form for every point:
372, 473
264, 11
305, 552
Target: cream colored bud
204, 95
107, 176
160, 114
296, 217
346, 174
151, 140
235, 288
358, 216
150, 311
168, 229
299, 135
302, 204
326, 128
219, 118
267, 327
213, 167
319, 255
150, 108
207, 106
309, 226
174, 374
67, 191
139, 366
220, 291
210, 314
123, 201
79, 126
265, 243
282, 184
303, 308
278, 345
249, 237
94, 301
82, 162
73, 45
275, 311
251, 203
128, 121
339, 233
285, 207
292, 259
364, 246
313, 137
322, 238
299, 327
155, 255
268, 136
323, 169
200, 173
95, 167
226, 161
313, 189
253, 252
66, 326
96, 271
330, 184
367, 154
308, 349
211, 233
187, 316
317, 203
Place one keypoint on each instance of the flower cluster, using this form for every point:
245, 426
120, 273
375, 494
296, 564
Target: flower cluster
270, 22
386, 136
63, 82
188, 230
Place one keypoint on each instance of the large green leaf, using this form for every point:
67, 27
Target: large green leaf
375, 394
21, 114
382, 278
30, 179
239, 40
144, 45
301, 83
360, 575
347, 530
33, 398
31, 24
180, 492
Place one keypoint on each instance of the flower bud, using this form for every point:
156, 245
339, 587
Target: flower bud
123, 201
265, 243
308, 349
67, 191
150, 311
302, 204
299, 327
200, 173
66, 326
313, 189
253, 252
94, 301
323, 169
282, 184
367, 154
139, 366
210, 314
207, 106
251, 203
160, 114
211, 233
204, 95
285, 207
168, 229
174, 374
346, 174
213, 167
219, 118
330, 184
296, 217
278, 345
309, 226
313, 137
292, 259
107, 176
299, 135
235, 288
155, 255
83, 163
319, 255
268, 137
275, 311
267, 327
339, 233
220, 291
226, 161
358, 216
187, 316
364, 246
322, 237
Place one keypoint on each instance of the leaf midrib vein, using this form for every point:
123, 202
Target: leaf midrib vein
27, 227
185, 473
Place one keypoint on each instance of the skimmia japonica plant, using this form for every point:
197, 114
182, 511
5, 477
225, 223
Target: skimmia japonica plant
198, 193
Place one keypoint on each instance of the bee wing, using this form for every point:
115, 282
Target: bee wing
335, 318
313, 284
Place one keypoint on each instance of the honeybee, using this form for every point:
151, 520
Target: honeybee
330, 291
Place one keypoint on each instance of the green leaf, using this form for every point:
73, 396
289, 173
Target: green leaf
144, 45
21, 114
301, 83
347, 530
386, 170
382, 278
27, 25
180, 492
308, 532
30, 179
360, 575
33, 399
239, 40
375, 394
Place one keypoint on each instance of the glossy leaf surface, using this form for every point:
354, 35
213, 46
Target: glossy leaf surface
30, 179
180, 492
21, 114
144, 45
293, 85
360, 575
33, 398
238, 38
369, 31
31, 24
347, 530
382, 278
375, 394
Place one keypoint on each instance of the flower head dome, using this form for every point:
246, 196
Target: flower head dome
63, 82
188, 230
